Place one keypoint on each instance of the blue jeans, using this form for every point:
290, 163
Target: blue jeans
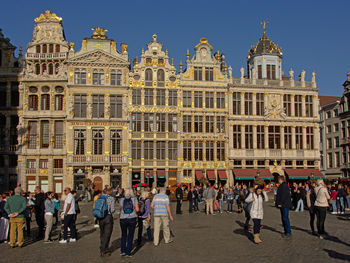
221, 202
348, 200
195, 204
334, 206
341, 201
190, 205
285, 220
127, 226
300, 205
229, 205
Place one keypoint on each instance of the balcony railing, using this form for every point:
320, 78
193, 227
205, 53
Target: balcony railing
116, 159
97, 159
276, 153
58, 170
61, 55
31, 171
103, 159
79, 158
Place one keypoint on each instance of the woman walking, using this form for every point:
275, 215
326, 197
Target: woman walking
321, 205
310, 199
257, 211
49, 212
220, 197
128, 219
144, 218
230, 197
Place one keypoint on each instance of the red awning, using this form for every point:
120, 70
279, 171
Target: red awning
251, 174
161, 173
304, 174
148, 173
199, 175
222, 174
211, 175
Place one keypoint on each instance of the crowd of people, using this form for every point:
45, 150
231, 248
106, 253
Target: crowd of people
140, 209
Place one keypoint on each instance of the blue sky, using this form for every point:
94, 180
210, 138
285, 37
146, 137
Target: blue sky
314, 35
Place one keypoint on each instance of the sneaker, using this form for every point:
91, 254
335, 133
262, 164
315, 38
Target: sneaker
72, 240
48, 241
63, 241
334, 213
321, 237
170, 241
122, 254
96, 226
128, 256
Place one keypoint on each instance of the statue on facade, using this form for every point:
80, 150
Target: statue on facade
302, 76
242, 72
313, 77
291, 74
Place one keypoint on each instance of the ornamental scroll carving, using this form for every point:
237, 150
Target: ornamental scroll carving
274, 108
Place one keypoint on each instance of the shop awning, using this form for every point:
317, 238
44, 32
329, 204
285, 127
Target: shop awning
222, 174
148, 174
199, 175
251, 174
300, 174
161, 173
211, 175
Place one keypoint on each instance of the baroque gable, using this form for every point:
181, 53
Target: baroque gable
98, 58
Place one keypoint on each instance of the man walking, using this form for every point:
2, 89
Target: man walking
39, 208
179, 197
15, 208
106, 224
69, 216
190, 200
284, 203
162, 214
209, 196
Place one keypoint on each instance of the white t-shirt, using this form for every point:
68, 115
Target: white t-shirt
69, 200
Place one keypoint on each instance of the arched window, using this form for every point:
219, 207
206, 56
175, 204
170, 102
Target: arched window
58, 47
51, 69
37, 69
38, 49
44, 68
115, 142
148, 77
57, 66
97, 141
45, 102
160, 78
44, 48
51, 48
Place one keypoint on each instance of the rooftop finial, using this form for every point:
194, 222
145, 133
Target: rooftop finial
348, 76
264, 23
154, 37
99, 33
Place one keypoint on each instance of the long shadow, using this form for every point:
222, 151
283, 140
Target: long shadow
336, 255
272, 229
301, 229
115, 244
241, 231
337, 240
85, 223
83, 233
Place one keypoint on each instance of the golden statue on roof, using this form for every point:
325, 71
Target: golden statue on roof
99, 33
48, 16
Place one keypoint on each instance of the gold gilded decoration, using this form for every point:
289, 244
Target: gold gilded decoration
48, 16
99, 33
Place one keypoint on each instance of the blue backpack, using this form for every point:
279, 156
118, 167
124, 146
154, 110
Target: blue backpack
100, 210
128, 206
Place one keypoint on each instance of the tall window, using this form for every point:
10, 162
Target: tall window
172, 123
33, 102
209, 124
58, 163
274, 137
160, 78
270, 71
98, 77
148, 122
80, 105
288, 137
187, 150
148, 77
260, 137
59, 132
220, 151
44, 48
32, 134
198, 72
57, 48
248, 103
330, 160
236, 103
172, 150
298, 106
149, 97
309, 106
148, 150
260, 104
220, 100
45, 134
136, 120
79, 141
97, 142
187, 99
136, 150
59, 102
45, 102
160, 97
209, 100
198, 99
237, 136
287, 104
259, 72
209, 151
116, 77
343, 129
80, 76
98, 106
187, 123
31, 163
160, 150
172, 98
51, 48
198, 151
299, 137
198, 124
160, 120
249, 136
116, 142
220, 124
209, 75
116, 106
310, 138
136, 97
43, 163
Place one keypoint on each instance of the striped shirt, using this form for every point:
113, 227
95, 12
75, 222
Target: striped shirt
160, 201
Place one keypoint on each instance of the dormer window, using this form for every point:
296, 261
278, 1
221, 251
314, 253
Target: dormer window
198, 73
209, 74
148, 77
160, 61
148, 61
270, 71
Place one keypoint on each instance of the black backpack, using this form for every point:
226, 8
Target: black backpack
142, 207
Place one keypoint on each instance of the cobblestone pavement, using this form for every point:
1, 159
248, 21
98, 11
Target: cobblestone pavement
200, 238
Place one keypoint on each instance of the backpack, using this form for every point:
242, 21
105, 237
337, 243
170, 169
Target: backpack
128, 206
100, 210
142, 207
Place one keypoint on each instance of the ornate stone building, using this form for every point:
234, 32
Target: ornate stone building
10, 67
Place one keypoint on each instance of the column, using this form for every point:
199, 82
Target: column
293, 138
142, 96
88, 140
230, 136
266, 136
255, 142
292, 108
304, 138
8, 94
254, 104
242, 103
282, 138
205, 152
243, 136
229, 97
316, 132
107, 141
315, 105
303, 108
50, 174
89, 106
192, 151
